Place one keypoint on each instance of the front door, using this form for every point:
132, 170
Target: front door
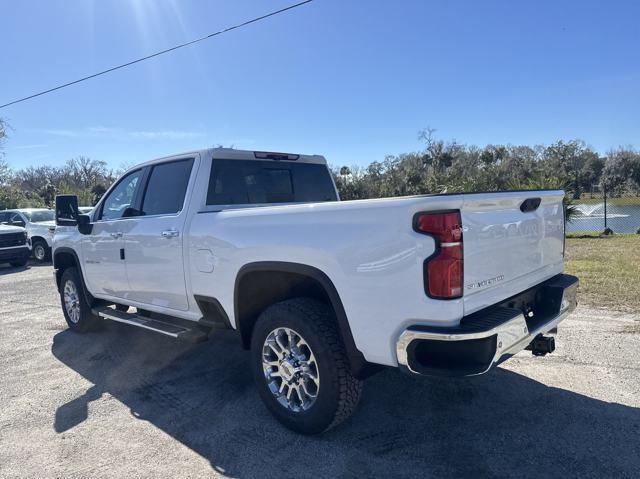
103, 249
154, 244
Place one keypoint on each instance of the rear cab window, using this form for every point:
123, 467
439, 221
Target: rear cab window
244, 182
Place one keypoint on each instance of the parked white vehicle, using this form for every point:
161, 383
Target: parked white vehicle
40, 225
322, 292
15, 247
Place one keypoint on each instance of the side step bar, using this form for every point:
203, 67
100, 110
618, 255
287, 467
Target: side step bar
177, 331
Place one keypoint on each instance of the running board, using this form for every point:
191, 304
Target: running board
177, 331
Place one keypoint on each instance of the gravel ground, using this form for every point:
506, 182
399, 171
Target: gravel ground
122, 402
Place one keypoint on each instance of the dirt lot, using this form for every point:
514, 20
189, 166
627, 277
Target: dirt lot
126, 403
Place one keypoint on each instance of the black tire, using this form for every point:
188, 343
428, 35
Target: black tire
84, 320
338, 393
19, 263
41, 251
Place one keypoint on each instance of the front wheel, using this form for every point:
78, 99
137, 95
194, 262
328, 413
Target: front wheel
300, 366
76, 309
41, 251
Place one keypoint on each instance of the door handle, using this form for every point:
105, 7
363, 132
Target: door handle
117, 234
170, 233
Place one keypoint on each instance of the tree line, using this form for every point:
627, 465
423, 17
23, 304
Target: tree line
440, 166
37, 186
450, 166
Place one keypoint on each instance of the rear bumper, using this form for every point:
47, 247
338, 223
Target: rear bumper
489, 336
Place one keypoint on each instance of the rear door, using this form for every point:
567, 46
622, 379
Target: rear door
512, 241
153, 246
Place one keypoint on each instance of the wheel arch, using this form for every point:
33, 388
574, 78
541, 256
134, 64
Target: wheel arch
260, 284
40, 238
64, 258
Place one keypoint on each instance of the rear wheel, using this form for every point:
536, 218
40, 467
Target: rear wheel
300, 366
76, 309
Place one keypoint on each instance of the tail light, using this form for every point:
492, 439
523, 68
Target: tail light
443, 270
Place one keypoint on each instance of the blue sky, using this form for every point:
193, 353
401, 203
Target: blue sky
354, 80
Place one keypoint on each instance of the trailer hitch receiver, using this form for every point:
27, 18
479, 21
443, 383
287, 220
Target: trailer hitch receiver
542, 345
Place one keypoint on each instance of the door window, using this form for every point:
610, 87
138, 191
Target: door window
167, 188
121, 197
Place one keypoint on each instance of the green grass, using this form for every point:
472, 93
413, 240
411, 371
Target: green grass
598, 234
608, 269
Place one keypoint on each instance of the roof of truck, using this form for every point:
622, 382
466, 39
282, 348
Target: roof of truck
233, 154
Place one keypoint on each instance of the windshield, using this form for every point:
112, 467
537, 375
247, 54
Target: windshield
39, 216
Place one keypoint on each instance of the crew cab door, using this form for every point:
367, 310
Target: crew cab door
103, 249
154, 245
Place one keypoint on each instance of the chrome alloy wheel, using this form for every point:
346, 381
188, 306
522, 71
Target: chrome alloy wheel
290, 369
72, 301
39, 252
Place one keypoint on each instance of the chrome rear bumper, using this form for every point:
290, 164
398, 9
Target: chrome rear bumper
488, 337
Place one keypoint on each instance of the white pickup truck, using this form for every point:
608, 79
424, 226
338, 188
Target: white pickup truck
39, 223
322, 292
15, 247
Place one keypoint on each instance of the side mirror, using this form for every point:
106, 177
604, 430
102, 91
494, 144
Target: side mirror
130, 212
18, 223
67, 210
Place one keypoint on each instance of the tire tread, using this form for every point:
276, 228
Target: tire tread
321, 320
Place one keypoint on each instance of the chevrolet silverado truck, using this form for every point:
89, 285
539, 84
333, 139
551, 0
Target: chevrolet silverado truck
15, 247
323, 293
39, 223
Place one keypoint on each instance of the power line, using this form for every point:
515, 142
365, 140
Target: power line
219, 32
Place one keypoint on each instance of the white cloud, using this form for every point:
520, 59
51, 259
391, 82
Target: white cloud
121, 134
165, 135
65, 133
101, 130
28, 147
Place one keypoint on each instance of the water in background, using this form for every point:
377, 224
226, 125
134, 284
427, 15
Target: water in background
590, 217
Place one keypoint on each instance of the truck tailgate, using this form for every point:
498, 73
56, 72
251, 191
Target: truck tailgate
511, 243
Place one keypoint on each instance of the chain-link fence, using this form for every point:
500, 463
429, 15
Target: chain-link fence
600, 210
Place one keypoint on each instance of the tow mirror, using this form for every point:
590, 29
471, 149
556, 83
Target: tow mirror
68, 214
67, 210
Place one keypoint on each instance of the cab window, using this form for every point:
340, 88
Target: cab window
254, 182
121, 197
166, 188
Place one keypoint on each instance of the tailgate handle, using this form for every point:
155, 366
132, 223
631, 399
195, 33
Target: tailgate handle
530, 204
